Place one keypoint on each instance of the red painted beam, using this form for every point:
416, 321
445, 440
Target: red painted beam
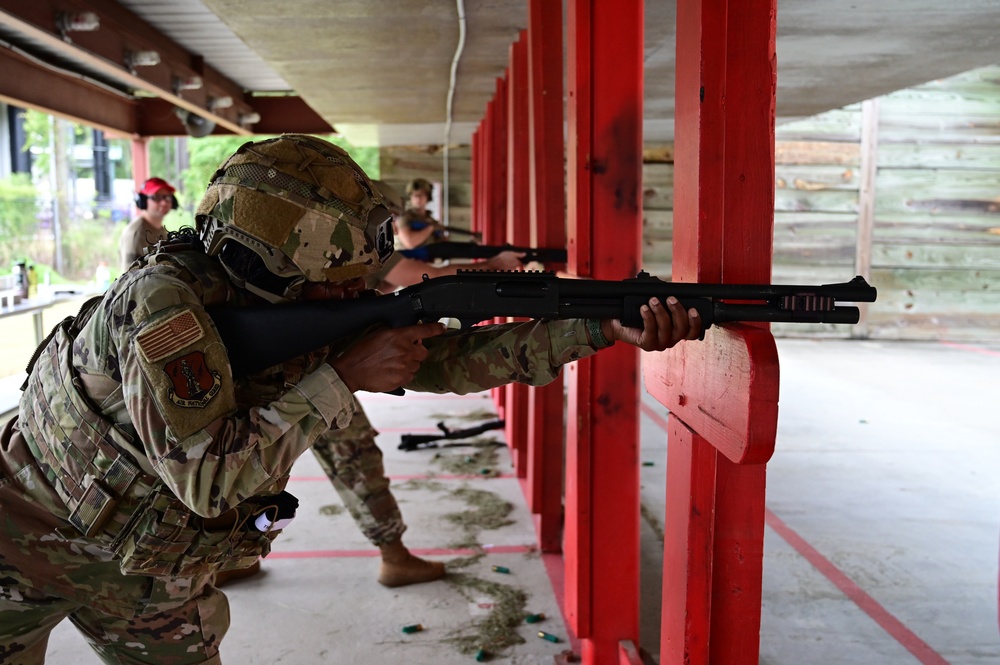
496, 214
722, 392
104, 51
28, 84
725, 388
544, 485
278, 115
518, 226
605, 230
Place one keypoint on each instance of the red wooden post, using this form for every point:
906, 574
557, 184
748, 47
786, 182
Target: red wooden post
722, 393
543, 486
518, 227
605, 228
476, 158
140, 161
496, 221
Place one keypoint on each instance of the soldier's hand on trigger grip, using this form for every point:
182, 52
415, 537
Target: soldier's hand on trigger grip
385, 359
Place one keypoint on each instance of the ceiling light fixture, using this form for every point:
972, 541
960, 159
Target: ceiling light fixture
141, 59
251, 118
216, 103
187, 83
77, 21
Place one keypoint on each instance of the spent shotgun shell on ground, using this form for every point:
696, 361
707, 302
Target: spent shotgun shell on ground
501, 569
534, 618
480, 655
413, 628
547, 636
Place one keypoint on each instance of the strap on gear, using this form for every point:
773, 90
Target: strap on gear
75, 322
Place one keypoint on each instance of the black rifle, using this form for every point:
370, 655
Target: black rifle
262, 336
420, 225
414, 441
469, 250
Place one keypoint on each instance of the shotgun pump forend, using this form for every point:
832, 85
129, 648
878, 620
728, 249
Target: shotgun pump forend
262, 336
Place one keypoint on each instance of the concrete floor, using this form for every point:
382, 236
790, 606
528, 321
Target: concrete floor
881, 545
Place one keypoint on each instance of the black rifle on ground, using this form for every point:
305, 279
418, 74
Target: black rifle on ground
414, 441
469, 250
262, 336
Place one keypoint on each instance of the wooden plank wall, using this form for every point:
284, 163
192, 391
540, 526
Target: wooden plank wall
935, 253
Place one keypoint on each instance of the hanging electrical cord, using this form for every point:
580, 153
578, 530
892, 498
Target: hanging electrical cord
460, 4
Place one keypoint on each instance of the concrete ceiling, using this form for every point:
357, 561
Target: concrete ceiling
381, 67
379, 70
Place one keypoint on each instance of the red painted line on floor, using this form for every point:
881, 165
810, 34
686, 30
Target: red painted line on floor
907, 638
973, 349
427, 551
657, 418
415, 476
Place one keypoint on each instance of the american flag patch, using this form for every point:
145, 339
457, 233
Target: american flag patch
170, 336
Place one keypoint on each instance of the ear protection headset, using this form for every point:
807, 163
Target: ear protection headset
142, 201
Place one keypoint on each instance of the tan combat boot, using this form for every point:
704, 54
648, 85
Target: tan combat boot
400, 568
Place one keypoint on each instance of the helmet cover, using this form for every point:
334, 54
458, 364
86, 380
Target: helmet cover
303, 206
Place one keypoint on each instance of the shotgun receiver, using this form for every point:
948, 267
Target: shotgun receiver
468, 250
262, 336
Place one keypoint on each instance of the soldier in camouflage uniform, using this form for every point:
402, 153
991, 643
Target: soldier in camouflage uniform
351, 458
138, 467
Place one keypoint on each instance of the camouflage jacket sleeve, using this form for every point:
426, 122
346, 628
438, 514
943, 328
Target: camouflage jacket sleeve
488, 356
179, 394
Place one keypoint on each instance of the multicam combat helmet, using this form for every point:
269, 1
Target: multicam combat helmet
305, 209
391, 197
420, 185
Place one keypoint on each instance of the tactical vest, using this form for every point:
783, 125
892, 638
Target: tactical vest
107, 494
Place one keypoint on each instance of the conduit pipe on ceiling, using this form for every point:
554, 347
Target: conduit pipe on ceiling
460, 5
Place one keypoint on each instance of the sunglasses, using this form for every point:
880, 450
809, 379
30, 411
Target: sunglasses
160, 198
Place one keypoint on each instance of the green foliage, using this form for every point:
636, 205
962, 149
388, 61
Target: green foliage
18, 216
86, 244
38, 134
204, 157
207, 154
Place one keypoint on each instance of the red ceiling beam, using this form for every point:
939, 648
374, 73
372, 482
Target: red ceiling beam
104, 51
278, 115
28, 84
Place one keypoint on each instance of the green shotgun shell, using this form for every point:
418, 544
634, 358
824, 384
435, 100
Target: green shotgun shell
413, 628
480, 655
500, 569
547, 636
534, 618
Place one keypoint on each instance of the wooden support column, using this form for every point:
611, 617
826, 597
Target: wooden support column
544, 482
140, 162
722, 392
866, 205
476, 158
496, 220
518, 228
605, 226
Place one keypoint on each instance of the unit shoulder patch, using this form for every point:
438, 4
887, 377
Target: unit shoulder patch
194, 383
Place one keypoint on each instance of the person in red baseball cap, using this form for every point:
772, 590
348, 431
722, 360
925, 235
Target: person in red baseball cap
154, 201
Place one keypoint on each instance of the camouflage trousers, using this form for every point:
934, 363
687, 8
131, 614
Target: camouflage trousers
353, 463
184, 635
44, 579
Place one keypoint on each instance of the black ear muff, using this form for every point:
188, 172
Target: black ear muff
141, 201
174, 205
